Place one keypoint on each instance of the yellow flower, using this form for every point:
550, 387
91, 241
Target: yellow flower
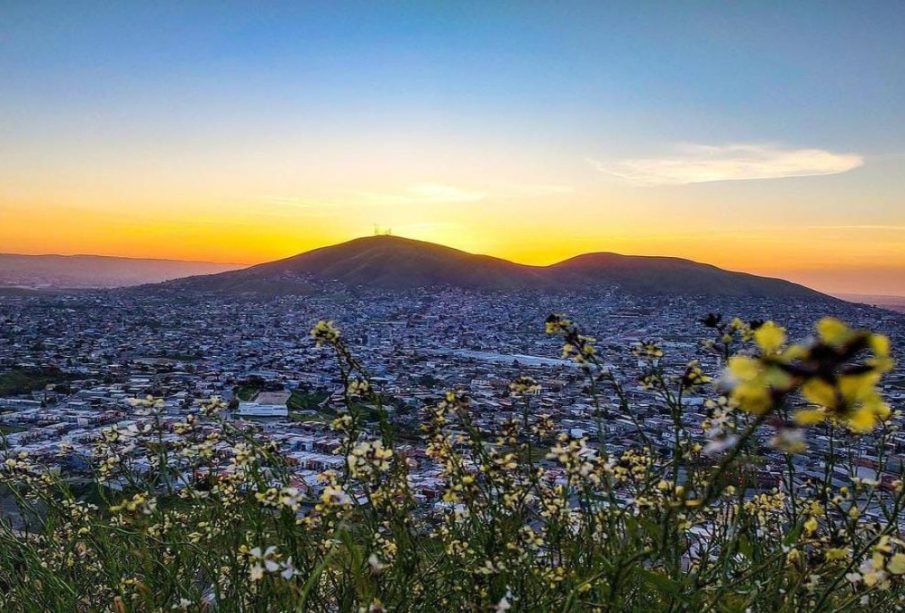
879, 344
808, 417
820, 392
832, 332
862, 420
810, 526
896, 564
325, 332
770, 337
755, 382
858, 388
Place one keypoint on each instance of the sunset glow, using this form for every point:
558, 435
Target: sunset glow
253, 136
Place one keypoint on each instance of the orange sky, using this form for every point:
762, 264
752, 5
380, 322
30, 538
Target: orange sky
529, 230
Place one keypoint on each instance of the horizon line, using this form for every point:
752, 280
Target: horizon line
244, 265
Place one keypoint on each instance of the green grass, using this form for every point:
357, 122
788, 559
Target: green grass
247, 392
306, 400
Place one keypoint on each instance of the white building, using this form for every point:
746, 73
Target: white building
254, 409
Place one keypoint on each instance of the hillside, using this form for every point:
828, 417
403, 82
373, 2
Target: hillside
666, 275
398, 263
91, 271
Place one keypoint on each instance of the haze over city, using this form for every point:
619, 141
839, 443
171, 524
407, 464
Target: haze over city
759, 137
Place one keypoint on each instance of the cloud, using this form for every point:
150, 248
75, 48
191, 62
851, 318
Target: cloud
737, 162
421, 193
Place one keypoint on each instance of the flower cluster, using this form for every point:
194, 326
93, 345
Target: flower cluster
325, 333
577, 346
523, 386
825, 370
369, 459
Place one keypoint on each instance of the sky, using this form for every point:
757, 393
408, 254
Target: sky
760, 136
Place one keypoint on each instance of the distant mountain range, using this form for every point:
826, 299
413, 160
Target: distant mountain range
397, 263
94, 271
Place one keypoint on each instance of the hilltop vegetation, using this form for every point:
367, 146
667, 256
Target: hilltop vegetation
208, 516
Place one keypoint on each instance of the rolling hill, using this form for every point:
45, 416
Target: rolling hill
389, 262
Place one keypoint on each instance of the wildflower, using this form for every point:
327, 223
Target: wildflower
557, 323
139, 503
770, 337
325, 332
343, 422
263, 562
648, 350
896, 564
694, 376
809, 417
358, 387
335, 496
756, 384
212, 406
579, 461
368, 459
810, 526
822, 371
524, 385
577, 346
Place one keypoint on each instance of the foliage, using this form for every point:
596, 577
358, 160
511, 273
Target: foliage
24, 380
208, 516
306, 400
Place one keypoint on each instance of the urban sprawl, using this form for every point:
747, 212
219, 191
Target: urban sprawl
71, 363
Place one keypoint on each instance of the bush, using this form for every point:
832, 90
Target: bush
207, 516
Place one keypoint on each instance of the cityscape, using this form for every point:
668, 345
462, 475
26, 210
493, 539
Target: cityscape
73, 362
473, 306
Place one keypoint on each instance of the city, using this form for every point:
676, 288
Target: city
98, 351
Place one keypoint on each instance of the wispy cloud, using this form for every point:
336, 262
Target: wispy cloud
420, 193
736, 162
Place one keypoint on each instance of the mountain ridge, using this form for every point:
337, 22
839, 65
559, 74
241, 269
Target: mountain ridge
395, 263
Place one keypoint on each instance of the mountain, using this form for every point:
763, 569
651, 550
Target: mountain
390, 262
93, 271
